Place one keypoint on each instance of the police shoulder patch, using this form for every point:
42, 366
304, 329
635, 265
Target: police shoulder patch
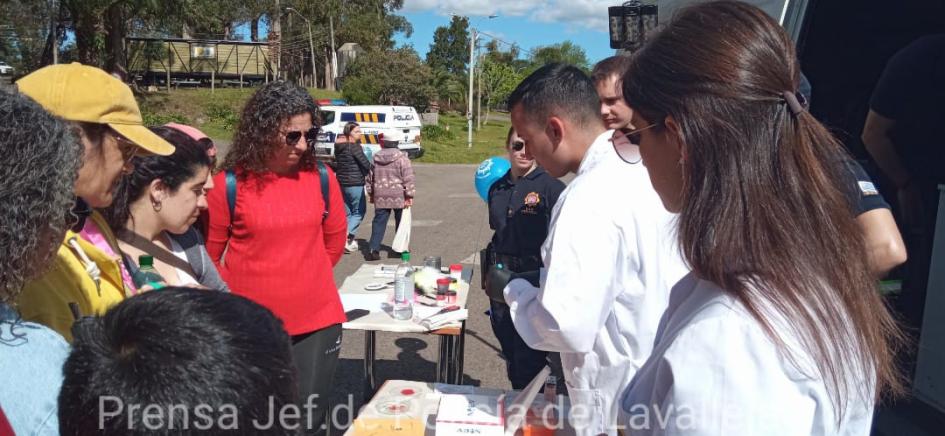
868, 188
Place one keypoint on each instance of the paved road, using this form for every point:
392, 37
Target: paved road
450, 221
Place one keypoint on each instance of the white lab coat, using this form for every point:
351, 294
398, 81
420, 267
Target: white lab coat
714, 371
611, 260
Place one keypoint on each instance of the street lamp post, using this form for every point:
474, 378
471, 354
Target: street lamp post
334, 54
311, 45
472, 70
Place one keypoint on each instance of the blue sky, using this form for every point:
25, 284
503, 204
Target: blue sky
533, 23
524, 31
526, 23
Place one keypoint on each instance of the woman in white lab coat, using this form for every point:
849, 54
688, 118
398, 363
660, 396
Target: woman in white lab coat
779, 329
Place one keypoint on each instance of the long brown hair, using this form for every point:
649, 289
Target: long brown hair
763, 212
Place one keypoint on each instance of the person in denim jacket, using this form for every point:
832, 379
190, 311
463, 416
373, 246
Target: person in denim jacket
39, 160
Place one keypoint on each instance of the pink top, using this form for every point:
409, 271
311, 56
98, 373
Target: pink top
90, 232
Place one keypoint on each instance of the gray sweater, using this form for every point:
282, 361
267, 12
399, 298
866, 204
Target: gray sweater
196, 252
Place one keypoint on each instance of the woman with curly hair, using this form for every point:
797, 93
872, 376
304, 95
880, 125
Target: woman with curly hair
280, 245
155, 209
39, 160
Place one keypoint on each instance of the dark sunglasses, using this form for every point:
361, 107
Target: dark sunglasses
627, 143
292, 137
518, 145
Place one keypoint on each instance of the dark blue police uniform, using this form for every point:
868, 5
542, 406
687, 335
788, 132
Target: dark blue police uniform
520, 213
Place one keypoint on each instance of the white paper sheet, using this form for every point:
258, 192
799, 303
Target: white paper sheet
369, 302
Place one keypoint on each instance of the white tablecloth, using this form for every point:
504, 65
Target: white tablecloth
379, 319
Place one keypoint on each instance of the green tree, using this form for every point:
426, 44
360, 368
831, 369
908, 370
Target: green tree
498, 81
254, 11
371, 24
393, 77
100, 26
451, 89
450, 49
495, 53
25, 31
565, 52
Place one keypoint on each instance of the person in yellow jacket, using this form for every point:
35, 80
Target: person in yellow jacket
87, 276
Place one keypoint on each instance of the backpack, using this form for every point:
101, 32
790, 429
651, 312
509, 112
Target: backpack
231, 191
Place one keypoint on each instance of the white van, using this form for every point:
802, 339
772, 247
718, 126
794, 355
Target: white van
398, 122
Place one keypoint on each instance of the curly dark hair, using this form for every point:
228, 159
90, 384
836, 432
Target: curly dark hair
179, 346
257, 134
40, 156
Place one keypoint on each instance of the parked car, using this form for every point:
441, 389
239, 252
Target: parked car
5, 69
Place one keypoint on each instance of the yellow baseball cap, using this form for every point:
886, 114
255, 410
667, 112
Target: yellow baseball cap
79, 92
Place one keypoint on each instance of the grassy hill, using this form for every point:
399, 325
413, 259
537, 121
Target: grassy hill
217, 114
446, 143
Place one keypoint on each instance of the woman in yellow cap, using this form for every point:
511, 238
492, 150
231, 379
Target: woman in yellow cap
87, 276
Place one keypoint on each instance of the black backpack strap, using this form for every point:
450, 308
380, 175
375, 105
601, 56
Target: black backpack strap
323, 178
231, 196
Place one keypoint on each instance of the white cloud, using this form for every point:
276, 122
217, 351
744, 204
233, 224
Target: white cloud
590, 14
573, 14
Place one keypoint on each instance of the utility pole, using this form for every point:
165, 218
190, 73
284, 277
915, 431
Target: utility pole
479, 99
311, 45
472, 71
277, 33
54, 28
334, 55
311, 49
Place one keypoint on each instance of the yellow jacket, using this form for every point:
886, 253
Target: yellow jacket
46, 299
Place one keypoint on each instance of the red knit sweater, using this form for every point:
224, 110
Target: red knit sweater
280, 252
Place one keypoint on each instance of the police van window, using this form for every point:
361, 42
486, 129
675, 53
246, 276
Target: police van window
326, 117
363, 117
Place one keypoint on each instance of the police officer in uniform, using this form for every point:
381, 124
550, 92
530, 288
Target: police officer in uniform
520, 205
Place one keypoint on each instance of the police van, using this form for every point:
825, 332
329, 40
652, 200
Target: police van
401, 123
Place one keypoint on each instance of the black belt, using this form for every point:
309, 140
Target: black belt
518, 263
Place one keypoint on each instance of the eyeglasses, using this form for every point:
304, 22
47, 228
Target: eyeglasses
627, 143
518, 145
292, 137
127, 148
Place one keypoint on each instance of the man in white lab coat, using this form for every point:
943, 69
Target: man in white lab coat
610, 257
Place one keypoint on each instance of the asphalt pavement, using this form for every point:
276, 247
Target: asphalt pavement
450, 221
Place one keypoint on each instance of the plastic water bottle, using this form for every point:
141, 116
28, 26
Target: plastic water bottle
403, 288
147, 274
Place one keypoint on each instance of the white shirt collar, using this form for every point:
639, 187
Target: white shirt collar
600, 150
